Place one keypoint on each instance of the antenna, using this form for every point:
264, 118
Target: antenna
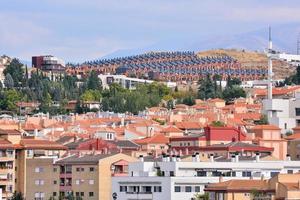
298, 44
270, 67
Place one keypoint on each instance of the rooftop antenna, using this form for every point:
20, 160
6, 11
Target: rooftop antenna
298, 44
270, 67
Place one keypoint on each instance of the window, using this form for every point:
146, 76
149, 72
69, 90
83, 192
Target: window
91, 194
188, 189
171, 173
157, 188
290, 171
39, 182
54, 194
201, 173
285, 125
91, 182
92, 169
82, 194
177, 189
77, 169
55, 182
77, 182
39, 169
197, 188
123, 188
54, 169
246, 174
274, 174
297, 110
77, 194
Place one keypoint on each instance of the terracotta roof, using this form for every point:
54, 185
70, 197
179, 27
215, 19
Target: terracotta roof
265, 127
9, 132
41, 144
293, 136
239, 185
170, 129
188, 125
156, 139
216, 100
5, 144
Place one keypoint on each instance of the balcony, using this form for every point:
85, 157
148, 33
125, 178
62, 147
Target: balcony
65, 188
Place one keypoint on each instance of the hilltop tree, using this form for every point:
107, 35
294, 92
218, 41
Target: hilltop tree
206, 88
9, 81
93, 82
15, 69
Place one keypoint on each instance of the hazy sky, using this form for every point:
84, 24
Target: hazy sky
77, 30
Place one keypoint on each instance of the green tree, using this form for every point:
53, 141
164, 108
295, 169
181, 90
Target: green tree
262, 121
217, 124
17, 196
9, 81
233, 92
206, 88
9, 99
16, 70
93, 82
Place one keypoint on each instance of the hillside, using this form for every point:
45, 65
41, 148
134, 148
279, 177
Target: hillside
281, 69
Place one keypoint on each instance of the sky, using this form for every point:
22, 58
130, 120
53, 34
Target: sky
79, 30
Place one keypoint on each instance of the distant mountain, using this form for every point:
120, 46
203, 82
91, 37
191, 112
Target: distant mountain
284, 39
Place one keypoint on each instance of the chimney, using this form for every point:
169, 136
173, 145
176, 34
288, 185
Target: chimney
257, 157
174, 158
186, 151
167, 158
232, 158
237, 158
211, 157
220, 179
197, 157
193, 158
288, 157
141, 158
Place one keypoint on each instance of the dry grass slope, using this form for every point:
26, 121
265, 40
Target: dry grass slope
281, 69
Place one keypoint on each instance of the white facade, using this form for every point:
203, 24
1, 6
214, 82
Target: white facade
126, 82
293, 59
182, 180
284, 113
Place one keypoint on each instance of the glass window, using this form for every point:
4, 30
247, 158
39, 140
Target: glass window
157, 188
290, 171
197, 188
188, 189
91, 194
177, 189
297, 110
92, 169
82, 194
91, 182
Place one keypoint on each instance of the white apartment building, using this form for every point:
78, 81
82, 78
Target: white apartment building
284, 113
173, 179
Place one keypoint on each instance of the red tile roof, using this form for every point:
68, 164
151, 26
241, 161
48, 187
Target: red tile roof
156, 139
265, 127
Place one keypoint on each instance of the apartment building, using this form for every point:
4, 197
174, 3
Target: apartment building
89, 176
20, 157
282, 186
171, 178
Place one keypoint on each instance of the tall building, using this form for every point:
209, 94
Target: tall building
20, 158
49, 65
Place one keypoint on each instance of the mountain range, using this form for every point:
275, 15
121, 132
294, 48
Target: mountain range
284, 39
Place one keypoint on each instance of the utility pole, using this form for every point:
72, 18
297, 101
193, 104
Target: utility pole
270, 67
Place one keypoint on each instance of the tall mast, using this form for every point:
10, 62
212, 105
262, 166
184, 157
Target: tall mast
270, 67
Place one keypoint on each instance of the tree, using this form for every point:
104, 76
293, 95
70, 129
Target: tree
8, 81
263, 120
233, 92
15, 69
206, 88
93, 81
217, 124
9, 99
17, 196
